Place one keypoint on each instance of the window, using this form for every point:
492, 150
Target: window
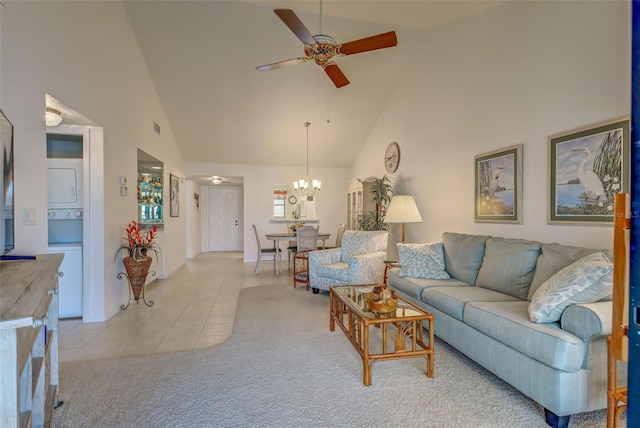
279, 197
278, 208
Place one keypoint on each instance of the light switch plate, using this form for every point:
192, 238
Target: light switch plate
28, 216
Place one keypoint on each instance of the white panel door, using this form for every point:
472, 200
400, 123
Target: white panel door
223, 219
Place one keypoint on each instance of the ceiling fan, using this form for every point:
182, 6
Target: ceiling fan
322, 48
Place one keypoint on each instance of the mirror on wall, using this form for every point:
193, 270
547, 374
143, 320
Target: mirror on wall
6, 185
150, 189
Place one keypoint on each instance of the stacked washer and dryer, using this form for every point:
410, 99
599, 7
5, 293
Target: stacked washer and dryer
65, 221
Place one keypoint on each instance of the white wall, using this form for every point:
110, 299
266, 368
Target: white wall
258, 197
511, 75
95, 67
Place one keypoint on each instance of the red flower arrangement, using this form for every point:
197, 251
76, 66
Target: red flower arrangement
139, 241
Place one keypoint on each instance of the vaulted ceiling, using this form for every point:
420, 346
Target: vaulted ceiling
202, 57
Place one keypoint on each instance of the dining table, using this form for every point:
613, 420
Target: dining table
290, 236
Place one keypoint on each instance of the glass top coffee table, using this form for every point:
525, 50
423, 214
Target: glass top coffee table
395, 335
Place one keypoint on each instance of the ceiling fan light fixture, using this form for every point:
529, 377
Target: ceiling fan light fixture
53, 117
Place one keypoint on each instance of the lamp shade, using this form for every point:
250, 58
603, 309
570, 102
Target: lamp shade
402, 209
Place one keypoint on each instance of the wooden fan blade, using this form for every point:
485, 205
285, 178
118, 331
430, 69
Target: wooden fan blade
380, 41
292, 21
281, 64
336, 75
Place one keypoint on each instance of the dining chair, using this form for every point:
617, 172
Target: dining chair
341, 230
306, 240
264, 252
291, 249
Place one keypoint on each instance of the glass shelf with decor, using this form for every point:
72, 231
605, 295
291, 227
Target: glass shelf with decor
150, 199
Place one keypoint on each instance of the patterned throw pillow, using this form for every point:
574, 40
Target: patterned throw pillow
422, 261
584, 281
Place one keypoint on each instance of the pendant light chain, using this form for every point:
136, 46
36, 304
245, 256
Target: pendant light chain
308, 188
307, 124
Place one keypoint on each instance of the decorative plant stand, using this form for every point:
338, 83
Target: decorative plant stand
137, 271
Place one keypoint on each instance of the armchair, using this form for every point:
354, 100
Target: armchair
360, 260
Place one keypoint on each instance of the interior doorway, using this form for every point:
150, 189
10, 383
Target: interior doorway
93, 265
223, 219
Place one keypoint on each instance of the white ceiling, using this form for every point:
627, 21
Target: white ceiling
202, 58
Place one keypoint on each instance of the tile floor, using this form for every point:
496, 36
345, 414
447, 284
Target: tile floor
193, 308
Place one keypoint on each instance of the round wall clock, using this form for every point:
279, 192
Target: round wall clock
392, 157
292, 199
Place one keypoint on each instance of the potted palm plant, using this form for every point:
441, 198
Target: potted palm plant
137, 247
381, 191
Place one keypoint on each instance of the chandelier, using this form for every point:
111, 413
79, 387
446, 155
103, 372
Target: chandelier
308, 188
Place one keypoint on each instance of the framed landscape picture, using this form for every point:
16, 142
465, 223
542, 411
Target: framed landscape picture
174, 207
587, 167
498, 193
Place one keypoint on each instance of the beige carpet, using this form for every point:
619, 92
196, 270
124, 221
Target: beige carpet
282, 367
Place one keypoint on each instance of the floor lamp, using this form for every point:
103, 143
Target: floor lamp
402, 209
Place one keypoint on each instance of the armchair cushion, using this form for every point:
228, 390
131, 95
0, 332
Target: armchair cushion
367, 268
323, 257
339, 271
356, 242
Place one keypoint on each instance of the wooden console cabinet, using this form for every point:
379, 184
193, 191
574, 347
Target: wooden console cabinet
29, 340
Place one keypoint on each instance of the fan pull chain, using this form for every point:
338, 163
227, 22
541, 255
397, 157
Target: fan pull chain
328, 89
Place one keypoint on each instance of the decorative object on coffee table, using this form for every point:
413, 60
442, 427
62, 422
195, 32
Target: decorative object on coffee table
381, 299
138, 245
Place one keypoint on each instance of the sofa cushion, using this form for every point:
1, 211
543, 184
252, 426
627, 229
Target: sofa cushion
451, 300
356, 242
584, 281
414, 286
463, 255
422, 260
552, 258
508, 266
508, 323
338, 271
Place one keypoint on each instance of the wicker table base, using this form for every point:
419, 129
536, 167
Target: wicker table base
402, 334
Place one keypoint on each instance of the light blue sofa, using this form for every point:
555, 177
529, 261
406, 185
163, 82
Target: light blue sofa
482, 311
